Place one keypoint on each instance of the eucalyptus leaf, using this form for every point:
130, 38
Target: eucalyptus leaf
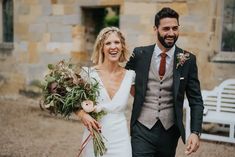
50, 66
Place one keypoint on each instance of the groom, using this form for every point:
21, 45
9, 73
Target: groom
164, 73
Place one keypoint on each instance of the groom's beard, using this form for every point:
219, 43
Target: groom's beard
167, 44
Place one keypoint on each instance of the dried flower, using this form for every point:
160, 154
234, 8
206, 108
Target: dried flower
181, 58
88, 106
65, 91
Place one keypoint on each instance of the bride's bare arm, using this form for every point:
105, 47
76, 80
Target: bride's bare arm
88, 121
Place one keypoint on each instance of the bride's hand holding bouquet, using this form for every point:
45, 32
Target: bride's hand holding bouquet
65, 92
86, 118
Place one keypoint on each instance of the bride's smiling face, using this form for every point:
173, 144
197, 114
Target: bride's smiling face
112, 48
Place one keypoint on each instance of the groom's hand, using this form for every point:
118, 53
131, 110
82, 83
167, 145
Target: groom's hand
192, 144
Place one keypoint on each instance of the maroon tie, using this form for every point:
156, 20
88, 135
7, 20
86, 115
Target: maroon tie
162, 67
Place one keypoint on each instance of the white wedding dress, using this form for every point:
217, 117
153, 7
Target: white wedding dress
114, 123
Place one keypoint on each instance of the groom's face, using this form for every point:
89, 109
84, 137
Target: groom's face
167, 32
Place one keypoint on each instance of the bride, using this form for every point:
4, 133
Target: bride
115, 85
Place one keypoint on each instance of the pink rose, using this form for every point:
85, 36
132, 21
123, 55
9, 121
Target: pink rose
88, 106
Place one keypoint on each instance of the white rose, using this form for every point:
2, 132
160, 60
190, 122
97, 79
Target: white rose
88, 106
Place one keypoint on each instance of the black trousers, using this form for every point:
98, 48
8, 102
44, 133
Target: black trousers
154, 142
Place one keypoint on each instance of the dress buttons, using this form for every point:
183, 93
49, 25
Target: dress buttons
159, 104
159, 97
160, 89
161, 82
159, 110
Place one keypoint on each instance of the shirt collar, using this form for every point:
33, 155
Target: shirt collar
170, 53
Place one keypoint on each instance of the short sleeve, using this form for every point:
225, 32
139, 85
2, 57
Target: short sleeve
133, 77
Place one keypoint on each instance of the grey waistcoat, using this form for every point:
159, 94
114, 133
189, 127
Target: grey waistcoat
158, 104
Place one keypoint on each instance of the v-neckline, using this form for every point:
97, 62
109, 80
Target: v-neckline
105, 90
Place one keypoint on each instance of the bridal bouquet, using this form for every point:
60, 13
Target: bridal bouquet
65, 91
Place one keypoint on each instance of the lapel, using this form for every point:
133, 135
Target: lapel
147, 56
176, 73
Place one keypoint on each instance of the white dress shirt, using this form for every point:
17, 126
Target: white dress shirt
169, 57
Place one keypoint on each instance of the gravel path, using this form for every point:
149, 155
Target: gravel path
26, 131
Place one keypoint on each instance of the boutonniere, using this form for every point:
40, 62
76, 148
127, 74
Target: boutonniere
181, 58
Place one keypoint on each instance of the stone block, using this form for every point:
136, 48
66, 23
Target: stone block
45, 2
15, 81
58, 47
69, 9
111, 2
54, 19
23, 9
79, 43
22, 57
59, 28
41, 47
35, 72
67, 1
46, 38
54, 1
47, 10
27, 19
146, 39
133, 8
66, 47
181, 8
189, 21
35, 10
186, 27
78, 30
200, 8
71, 19
57, 9
35, 37
88, 2
53, 47
33, 53
21, 30
182, 41
79, 56
61, 37
31, 2
132, 40
51, 58
127, 21
39, 28
147, 20
23, 46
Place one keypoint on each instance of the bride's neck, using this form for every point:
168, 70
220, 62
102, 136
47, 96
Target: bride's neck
109, 67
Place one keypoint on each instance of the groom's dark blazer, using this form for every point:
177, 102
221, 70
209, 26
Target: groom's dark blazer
185, 80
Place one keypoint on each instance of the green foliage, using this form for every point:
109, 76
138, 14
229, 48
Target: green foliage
64, 89
112, 21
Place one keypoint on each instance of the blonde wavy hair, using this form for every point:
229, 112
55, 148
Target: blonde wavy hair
98, 54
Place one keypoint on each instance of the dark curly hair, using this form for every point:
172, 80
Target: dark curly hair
164, 13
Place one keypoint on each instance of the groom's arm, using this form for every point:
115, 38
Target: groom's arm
193, 93
131, 63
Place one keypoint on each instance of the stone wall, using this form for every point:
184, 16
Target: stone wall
200, 26
46, 31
